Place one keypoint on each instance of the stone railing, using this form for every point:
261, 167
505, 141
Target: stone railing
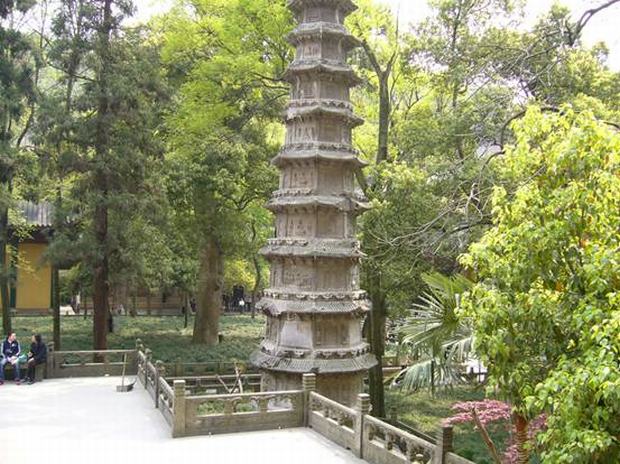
374, 440
165, 400
206, 415
91, 363
220, 384
201, 369
338, 423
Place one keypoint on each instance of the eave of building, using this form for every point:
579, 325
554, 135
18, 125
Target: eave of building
277, 307
318, 296
346, 6
342, 203
270, 348
312, 31
299, 153
320, 108
319, 366
319, 67
313, 252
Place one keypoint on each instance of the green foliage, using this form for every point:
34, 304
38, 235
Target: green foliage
546, 309
225, 58
439, 337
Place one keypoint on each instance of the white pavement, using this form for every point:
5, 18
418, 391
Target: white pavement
86, 421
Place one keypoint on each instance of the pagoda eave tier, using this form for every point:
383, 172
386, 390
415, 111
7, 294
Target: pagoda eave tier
276, 306
320, 109
341, 203
322, 67
300, 153
337, 249
346, 6
319, 366
320, 30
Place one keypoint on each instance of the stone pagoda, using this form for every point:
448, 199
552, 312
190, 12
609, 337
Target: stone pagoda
314, 306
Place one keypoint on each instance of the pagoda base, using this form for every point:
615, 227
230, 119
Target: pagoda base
343, 388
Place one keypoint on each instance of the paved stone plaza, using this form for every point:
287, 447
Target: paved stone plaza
84, 420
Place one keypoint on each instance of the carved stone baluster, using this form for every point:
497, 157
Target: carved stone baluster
389, 441
229, 407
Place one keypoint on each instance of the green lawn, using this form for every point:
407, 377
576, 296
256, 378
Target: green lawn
164, 335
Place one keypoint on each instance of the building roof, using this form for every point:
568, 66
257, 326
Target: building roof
37, 214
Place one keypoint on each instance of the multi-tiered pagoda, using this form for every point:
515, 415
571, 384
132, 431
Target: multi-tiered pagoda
314, 305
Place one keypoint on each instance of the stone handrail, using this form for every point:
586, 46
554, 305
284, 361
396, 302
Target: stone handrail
90, 363
211, 414
219, 384
367, 437
196, 369
165, 400
339, 423
383, 442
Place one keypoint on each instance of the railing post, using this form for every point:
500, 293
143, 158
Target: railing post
148, 356
106, 364
178, 368
50, 361
445, 439
362, 407
393, 415
178, 409
158, 370
308, 382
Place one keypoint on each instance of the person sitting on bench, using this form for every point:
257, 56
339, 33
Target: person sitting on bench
11, 351
37, 355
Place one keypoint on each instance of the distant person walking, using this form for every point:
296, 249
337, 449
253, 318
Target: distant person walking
37, 355
10, 355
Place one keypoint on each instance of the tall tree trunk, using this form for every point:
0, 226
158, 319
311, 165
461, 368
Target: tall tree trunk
101, 286
521, 426
4, 271
210, 280
56, 307
257, 283
385, 110
378, 318
258, 277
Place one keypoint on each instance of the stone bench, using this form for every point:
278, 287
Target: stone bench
39, 371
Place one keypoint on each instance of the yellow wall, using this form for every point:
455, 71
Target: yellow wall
34, 278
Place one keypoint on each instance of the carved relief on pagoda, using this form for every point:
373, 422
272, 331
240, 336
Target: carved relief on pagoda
303, 131
334, 276
314, 14
308, 130
313, 48
332, 90
298, 275
275, 277
330, 224
331, 130
337, 332
299, 224
311, 87
296, 333
331, 179
305, 88
299, 176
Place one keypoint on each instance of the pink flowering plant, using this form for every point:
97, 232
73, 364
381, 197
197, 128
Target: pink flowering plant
483, 413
